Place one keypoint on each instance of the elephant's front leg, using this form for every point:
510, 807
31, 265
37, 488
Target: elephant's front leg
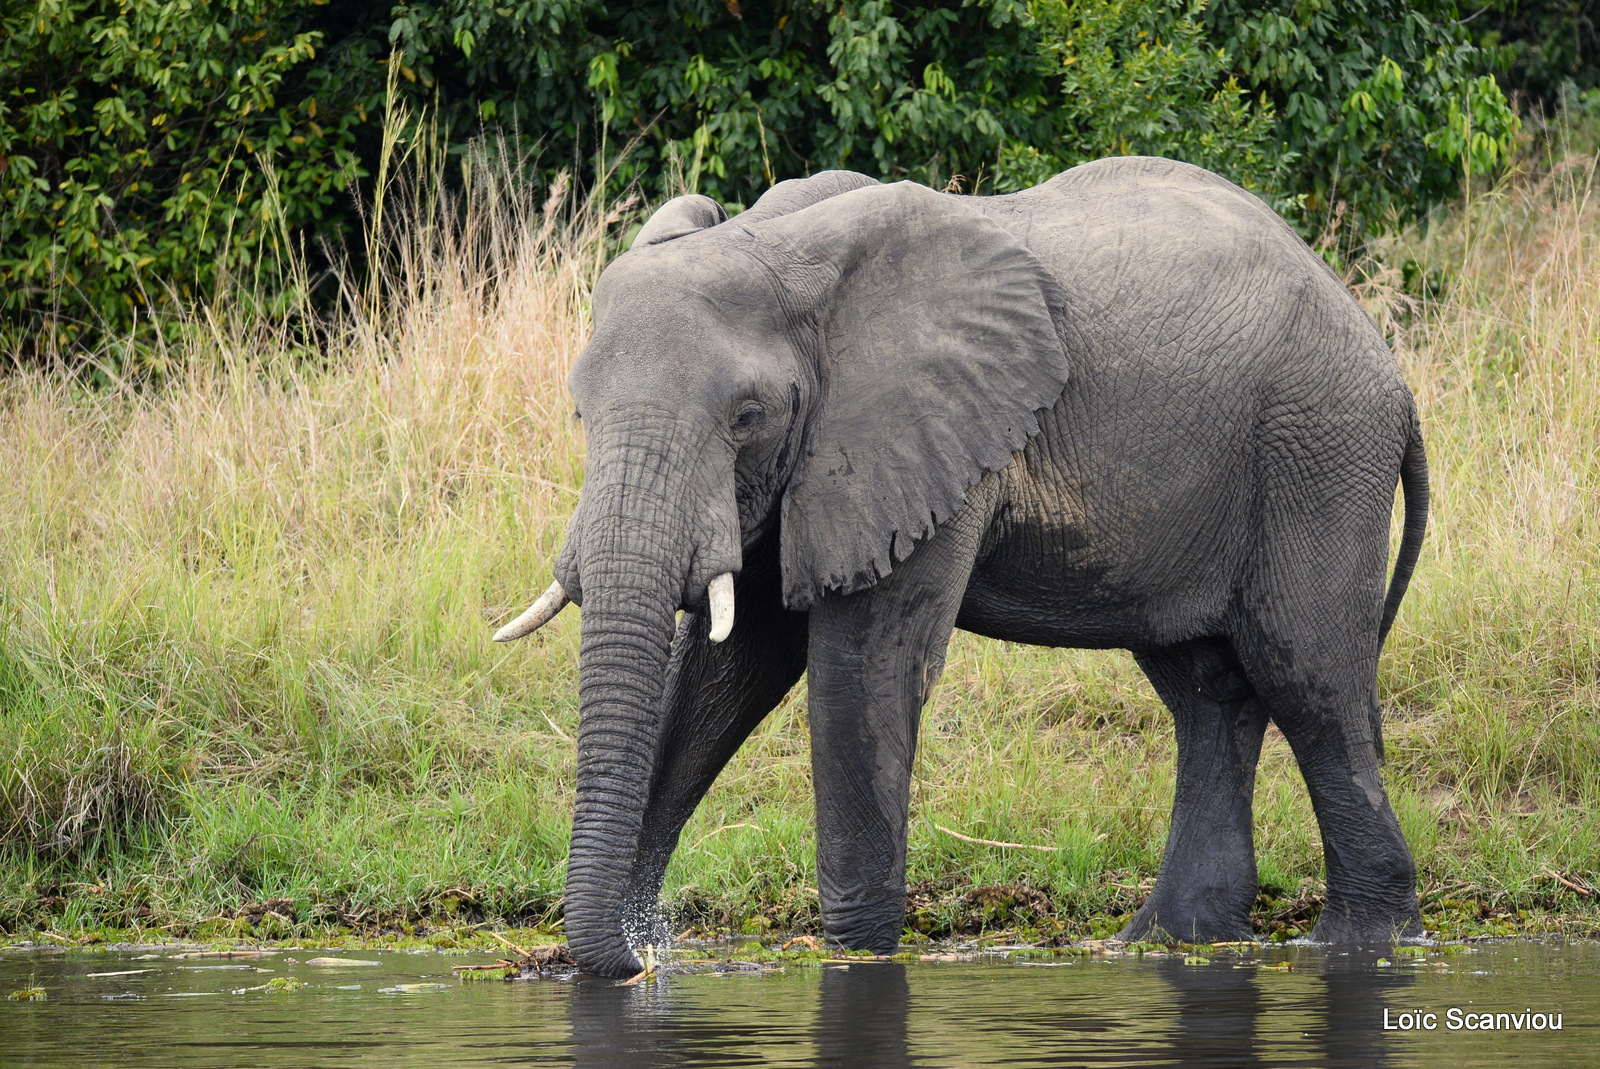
874, 657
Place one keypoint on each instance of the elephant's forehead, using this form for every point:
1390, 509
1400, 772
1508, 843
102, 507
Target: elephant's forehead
698, 314
700, 272
674, 342
677, 370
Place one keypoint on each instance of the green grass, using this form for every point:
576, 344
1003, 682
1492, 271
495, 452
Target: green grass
245, 619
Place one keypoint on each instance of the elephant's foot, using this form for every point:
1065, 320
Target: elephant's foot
1380, 915
873, 926
1372, 879
1192, 914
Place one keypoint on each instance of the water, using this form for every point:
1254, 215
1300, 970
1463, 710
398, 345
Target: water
1327, 1011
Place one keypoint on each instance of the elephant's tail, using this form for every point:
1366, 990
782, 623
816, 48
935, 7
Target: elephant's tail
1414, 484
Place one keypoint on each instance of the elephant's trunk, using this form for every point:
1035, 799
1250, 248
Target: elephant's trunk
627, 632
646, 545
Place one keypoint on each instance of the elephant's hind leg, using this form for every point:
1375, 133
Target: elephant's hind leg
1208, 873
1322, 695
1308, 619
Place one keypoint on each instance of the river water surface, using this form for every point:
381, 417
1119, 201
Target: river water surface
1327, 1010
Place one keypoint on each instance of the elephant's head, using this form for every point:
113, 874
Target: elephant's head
839, 363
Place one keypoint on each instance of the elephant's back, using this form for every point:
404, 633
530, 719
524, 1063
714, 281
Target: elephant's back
1207, 322
1172, 270
1135, 238
1138, 198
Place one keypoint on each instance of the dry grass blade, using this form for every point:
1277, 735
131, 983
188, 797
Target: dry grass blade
526, 954
1571, 884
864, 959
996, 842
723, 828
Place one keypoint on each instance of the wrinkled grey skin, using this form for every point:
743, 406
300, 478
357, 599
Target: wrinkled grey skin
1127, 408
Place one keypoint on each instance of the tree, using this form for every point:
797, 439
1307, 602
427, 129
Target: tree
147, 146
150, 148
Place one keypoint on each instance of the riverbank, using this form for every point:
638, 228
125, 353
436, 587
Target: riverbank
245, 619
1014, 917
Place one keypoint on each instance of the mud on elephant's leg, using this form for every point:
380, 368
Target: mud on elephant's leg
1323, 697
874, 658
1372, 878
1207, 882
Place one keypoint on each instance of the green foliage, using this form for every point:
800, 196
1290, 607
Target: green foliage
711, 95
1384, 101
135, 138
1375, 103
1549, 49
1140, 77
134, 147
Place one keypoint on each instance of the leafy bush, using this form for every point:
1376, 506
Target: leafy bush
1550, 48
723, 99
706, 94
727, 99
1385, 102
1140, 77
135, 138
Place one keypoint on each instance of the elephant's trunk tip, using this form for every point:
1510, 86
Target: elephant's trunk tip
720, 594
541, 612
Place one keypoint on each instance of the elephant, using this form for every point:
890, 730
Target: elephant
1125, 408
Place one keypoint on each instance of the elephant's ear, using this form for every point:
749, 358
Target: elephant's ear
678, 217
940, 337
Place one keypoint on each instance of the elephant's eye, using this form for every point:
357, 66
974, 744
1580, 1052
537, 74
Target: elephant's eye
749, 415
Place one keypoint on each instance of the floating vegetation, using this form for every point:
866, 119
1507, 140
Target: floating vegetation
478, 973
536, 963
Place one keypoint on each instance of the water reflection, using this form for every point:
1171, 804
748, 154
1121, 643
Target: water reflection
881, 1014
132, 1010
1334, 1016
705, 1021
846, 1016
1354, 994
1218, 1009
1159, 1012
862, 1016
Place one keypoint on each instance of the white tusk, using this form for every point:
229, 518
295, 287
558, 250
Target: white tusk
720, 594
539, 613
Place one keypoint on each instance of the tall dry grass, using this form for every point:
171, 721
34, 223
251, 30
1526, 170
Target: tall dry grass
270, 576
245, 613
1492, 669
